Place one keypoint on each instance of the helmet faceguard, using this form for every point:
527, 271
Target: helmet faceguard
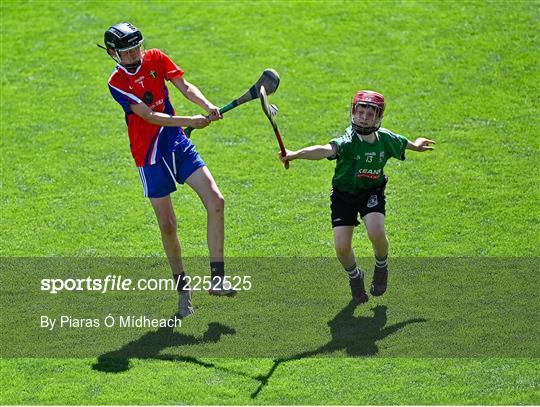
124, 37
366, 112
135, 59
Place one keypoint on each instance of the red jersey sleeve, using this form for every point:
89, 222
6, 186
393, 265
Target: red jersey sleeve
170, 69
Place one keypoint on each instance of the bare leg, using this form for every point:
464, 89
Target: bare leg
374, 223
169, 235
204, 185
343, 245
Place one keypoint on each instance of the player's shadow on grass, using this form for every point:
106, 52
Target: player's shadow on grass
150, 345
357, 336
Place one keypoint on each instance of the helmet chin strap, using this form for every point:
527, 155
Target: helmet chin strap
364, 131
133, 66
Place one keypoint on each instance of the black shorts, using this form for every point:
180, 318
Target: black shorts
345, 207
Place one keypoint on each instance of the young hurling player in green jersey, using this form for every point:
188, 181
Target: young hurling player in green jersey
358, 185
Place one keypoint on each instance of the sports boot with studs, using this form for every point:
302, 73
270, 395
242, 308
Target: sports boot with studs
221, 289
358, 291
379, 283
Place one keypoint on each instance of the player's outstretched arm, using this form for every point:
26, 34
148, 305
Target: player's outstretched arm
193, 94
163, 119
310, 153
420, 144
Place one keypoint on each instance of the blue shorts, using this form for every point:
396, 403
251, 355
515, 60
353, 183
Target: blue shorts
159, 180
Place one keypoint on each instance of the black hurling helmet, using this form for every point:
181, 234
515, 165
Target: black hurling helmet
123, 37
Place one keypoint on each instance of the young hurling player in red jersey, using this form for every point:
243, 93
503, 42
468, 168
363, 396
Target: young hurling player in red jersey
163, 154
358, 185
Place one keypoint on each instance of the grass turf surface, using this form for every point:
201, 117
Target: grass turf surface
463, 74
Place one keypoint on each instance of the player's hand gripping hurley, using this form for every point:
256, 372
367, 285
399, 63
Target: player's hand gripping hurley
270, 111
269, 79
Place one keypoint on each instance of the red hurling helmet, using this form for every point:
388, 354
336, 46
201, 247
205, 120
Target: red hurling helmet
367, 110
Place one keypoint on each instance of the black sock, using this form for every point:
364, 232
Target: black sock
356, 277
381, 263
356, 280
217, 271
180, 281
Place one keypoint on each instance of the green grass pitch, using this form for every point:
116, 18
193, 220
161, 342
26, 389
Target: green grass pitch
465, 74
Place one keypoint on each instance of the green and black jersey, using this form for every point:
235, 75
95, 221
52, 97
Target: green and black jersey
360, 164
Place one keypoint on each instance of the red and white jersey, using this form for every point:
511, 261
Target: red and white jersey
148, 142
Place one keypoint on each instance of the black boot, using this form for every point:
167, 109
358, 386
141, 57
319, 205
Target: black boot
380, 279
358, 291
